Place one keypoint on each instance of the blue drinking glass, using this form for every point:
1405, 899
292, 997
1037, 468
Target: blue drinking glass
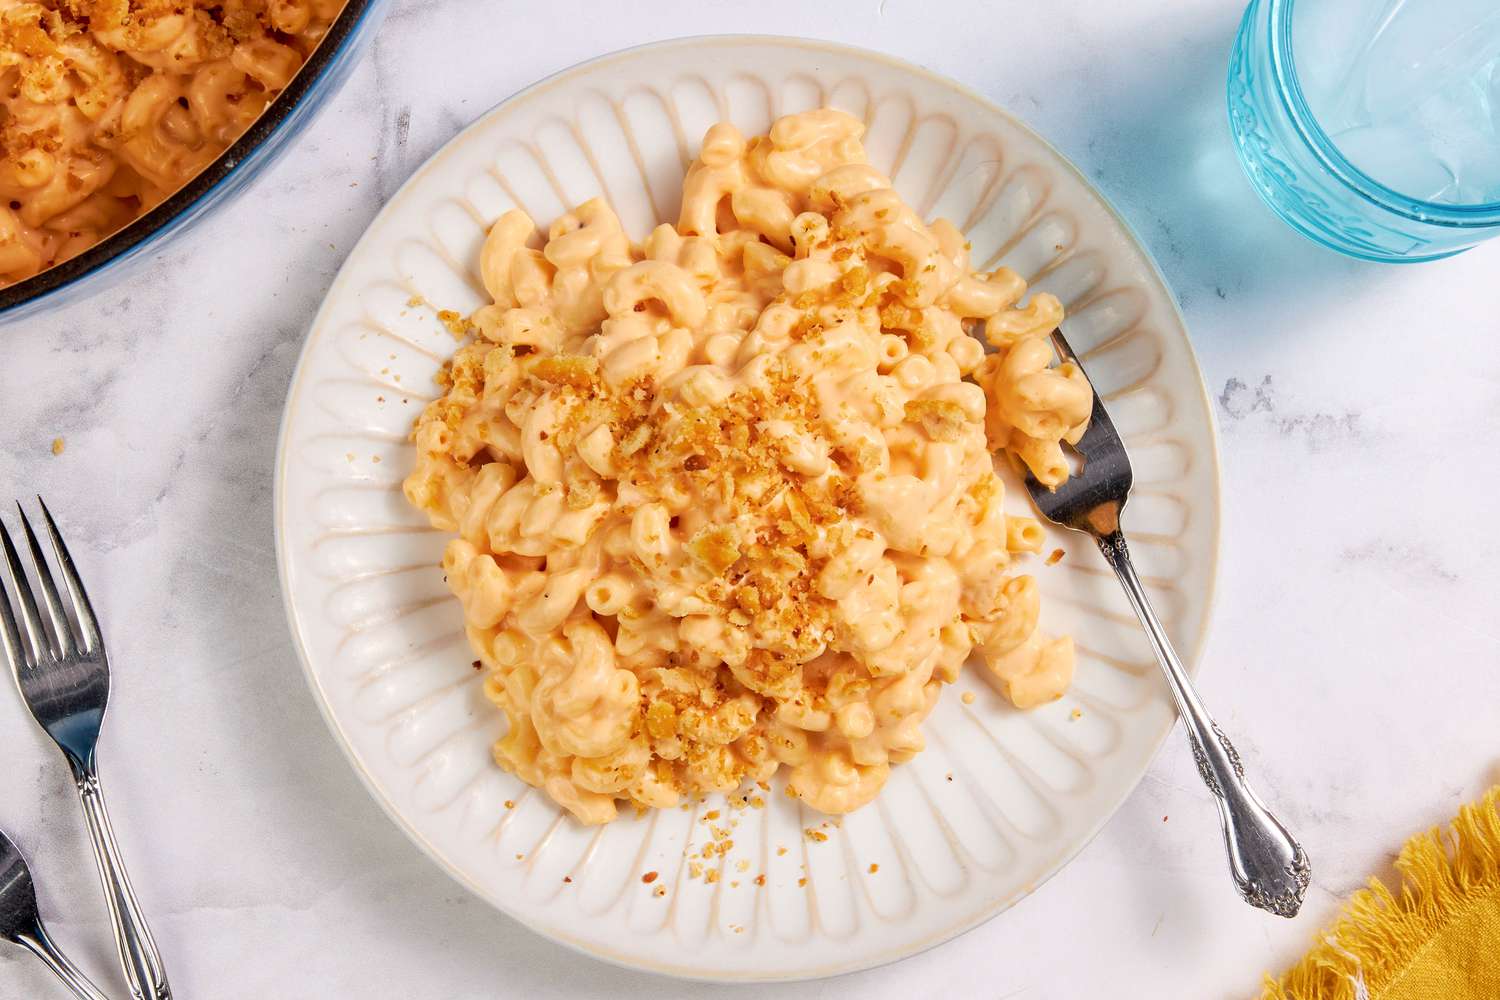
1372, 126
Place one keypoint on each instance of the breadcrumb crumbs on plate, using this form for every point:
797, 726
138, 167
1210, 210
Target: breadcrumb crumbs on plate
1076, 714
649, 877
712, 814
510, 803
780, 851
1055, 557
948, 776
760, 880
695, 870
742, 865
874, 868
735, 884
660, 891
567, 878
711, 876
375, 458
967, 697
801, 882
455, 323
815, 835
520, 857
756, 802
58, 444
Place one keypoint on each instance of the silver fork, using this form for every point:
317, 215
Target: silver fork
1269, 867
63, 674
21, 924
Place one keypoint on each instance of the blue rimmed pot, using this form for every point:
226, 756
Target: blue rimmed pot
273, 133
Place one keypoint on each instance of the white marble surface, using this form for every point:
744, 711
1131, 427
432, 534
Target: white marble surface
1354, 643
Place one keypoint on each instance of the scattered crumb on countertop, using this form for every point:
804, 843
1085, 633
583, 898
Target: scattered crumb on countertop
967, 697
58, 444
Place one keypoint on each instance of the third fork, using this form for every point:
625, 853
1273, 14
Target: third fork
1268, 865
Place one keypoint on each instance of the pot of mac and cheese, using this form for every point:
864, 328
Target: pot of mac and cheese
122, 121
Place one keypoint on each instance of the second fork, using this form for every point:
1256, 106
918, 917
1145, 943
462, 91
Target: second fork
62, 670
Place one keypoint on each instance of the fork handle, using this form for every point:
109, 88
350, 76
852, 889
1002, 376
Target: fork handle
1269, 867
138, 953
39, 944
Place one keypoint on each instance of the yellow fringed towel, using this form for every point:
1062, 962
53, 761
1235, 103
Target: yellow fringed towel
1438, 940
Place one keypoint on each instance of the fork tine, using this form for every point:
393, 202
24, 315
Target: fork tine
88, 624
9, 636
62, 629
34, 645
1063, 347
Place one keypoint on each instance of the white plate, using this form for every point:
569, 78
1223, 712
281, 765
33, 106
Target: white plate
1000, 799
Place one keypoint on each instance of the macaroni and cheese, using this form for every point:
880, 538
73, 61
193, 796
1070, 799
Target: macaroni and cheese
109, 106
726, 501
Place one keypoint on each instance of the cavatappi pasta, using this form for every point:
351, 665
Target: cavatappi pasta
726, 501
109, 106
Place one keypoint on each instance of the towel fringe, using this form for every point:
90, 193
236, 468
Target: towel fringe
1444, 873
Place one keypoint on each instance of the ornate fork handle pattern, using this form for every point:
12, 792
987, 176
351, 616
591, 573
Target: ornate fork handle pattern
138, 952
1269, 867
